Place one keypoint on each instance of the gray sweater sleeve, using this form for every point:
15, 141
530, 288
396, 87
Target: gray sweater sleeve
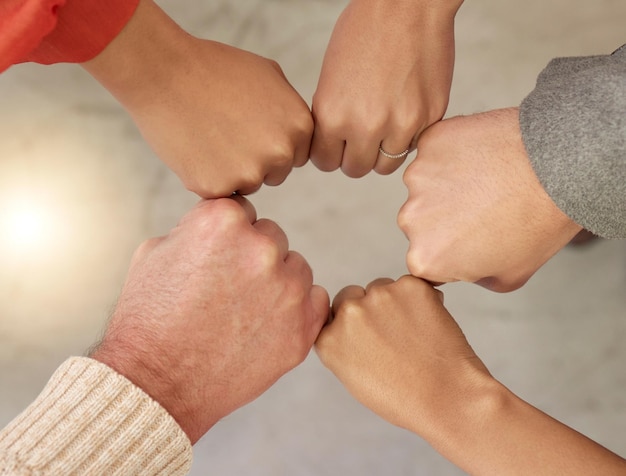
574, 129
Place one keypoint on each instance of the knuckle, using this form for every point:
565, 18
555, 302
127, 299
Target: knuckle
328, 117
282, 154
348, 310
418, 264
379, 294
219, 214
206, 188
266, 256
404, 217
303, 122
253, 177
408, 176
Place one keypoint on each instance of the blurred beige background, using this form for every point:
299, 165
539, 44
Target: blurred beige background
70, 153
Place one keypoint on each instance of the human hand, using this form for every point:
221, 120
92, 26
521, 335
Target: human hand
386, 76
399, 352
476, 211
221, 118
213, 314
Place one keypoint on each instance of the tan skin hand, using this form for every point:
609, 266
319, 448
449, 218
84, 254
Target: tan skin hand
221, 118
476, 211
213, 314
386, 76
398, 351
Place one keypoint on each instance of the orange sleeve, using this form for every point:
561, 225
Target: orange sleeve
55, 31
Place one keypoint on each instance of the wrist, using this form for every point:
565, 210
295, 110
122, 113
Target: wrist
465, 408
153, 376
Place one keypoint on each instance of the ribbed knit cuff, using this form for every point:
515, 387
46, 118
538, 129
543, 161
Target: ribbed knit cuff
90, 420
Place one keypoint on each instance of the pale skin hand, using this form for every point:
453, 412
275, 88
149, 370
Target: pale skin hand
221, 118
213, 314
399, 352
476, 211
386, 76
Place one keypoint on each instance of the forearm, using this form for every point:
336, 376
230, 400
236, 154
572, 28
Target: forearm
143, 58
574, 130
91, 420
497, 433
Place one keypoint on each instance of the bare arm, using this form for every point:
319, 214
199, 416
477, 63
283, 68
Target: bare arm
399, 352
221, 118
386, 76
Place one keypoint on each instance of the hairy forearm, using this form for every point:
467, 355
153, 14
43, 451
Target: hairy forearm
497, 433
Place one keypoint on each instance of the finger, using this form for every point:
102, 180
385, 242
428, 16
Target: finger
349, 292
437, 283
235, 207
278, 174
378, 282
398, 148
249, 189
359, 157
321, 310
440, 295
299, 270
303, 145
303, 151
246, 205
326, 148
272, 230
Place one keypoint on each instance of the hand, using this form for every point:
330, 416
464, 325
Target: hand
476, 211
213, 314
386, 76
221, 118
398, 351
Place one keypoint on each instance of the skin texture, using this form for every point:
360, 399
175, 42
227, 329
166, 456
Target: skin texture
221, 118
213, 314
475, 210
382, 82
400, 353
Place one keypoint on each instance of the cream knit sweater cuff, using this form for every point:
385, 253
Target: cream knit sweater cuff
91, 420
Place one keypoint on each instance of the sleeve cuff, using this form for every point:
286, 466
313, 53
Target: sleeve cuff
574, 130
84, 28
91, 420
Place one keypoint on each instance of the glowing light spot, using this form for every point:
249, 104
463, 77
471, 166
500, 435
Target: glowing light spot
26, 226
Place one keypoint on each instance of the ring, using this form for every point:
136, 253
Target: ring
401, 155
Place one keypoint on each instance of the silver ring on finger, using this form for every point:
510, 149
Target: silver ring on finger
401, 155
